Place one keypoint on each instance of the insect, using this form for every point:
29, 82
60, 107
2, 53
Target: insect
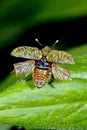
42, 64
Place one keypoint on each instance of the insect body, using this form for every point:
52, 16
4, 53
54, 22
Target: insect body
42, 72
42, 64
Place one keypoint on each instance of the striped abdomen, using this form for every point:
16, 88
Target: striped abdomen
41, 76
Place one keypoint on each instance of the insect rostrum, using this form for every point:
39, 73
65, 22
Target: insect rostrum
42, 64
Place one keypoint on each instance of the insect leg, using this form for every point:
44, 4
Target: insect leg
50, 83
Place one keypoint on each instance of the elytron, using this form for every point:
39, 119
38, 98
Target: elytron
42, 64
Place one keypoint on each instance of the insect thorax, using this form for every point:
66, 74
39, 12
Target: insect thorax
43, 64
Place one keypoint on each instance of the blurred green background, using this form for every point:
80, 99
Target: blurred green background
18, 16
21, 21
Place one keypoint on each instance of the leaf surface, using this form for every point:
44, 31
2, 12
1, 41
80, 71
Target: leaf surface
64, 106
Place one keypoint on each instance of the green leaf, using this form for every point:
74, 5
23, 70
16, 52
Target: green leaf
5, 127
62, 107
17, 16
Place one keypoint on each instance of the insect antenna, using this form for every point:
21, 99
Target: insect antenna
39, 42
44, 45
55, 42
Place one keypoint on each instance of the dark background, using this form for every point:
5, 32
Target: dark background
69, 33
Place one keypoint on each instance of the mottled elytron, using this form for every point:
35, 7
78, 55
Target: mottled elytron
42, 64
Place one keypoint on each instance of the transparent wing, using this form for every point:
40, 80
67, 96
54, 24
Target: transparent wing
27, 52
60, 57
60, 73
24, 68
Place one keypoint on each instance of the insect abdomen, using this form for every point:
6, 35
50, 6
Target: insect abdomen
41, 76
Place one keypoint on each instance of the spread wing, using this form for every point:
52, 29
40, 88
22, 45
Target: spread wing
60, 73
24, 68
60, 57
27, 52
